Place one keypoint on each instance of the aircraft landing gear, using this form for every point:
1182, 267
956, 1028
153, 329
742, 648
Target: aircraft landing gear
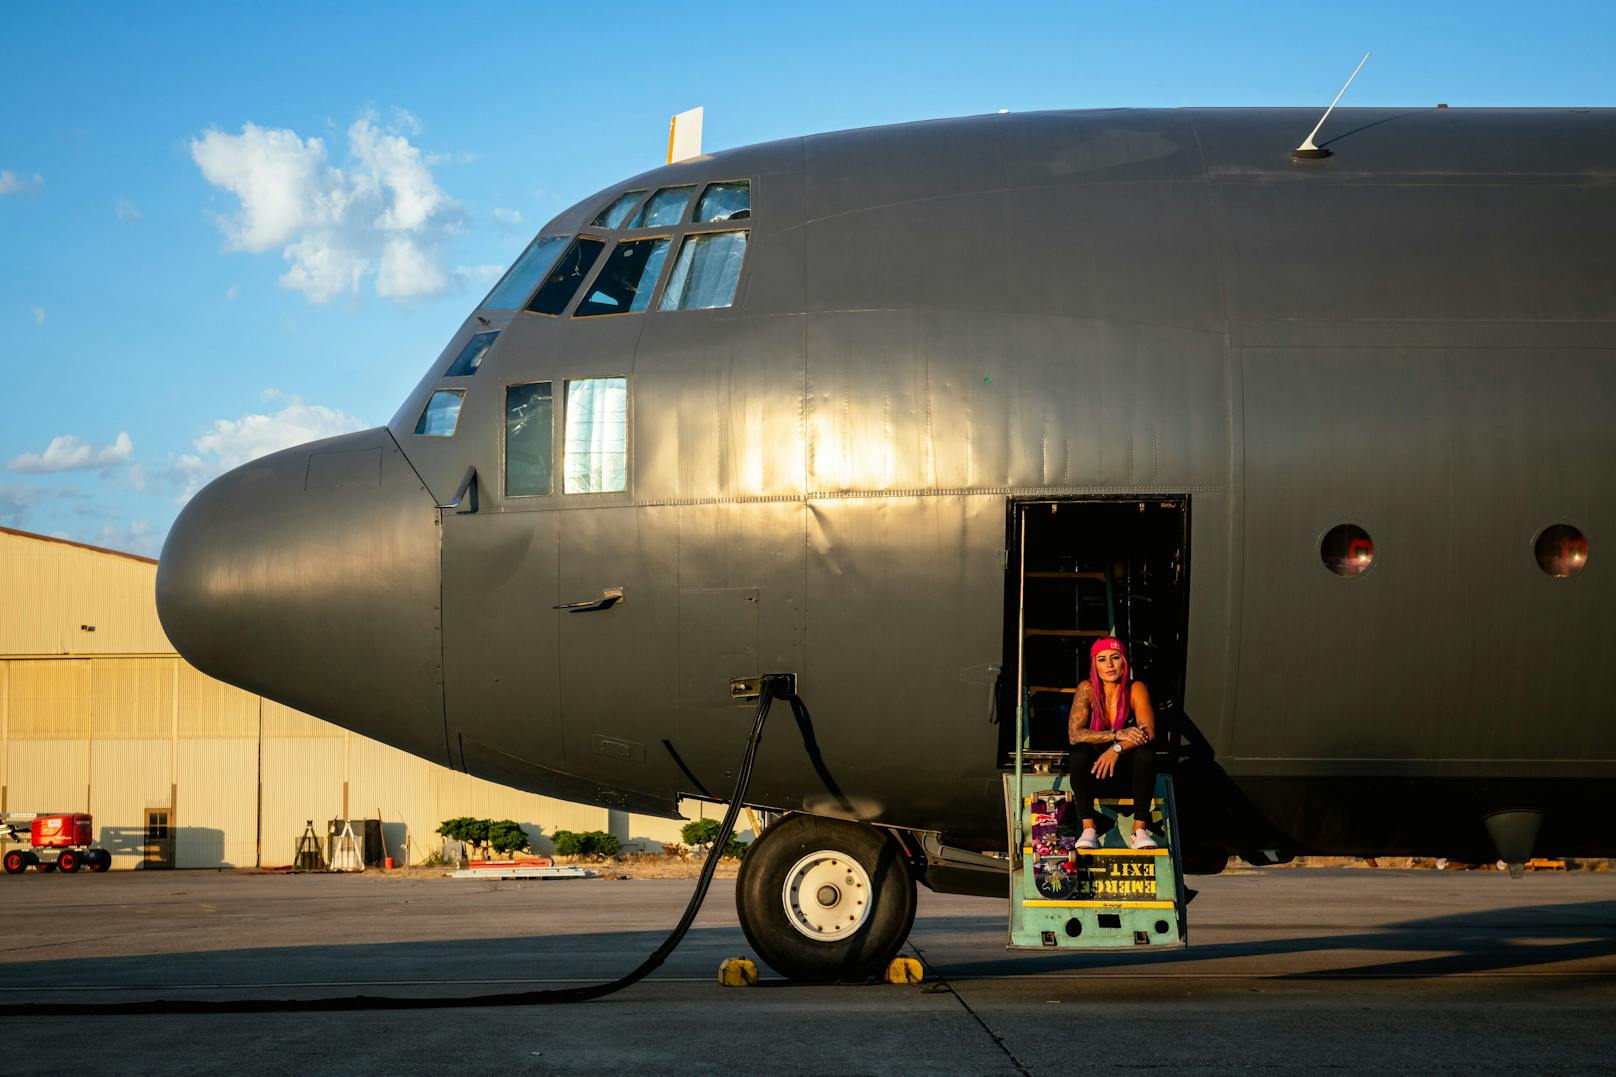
825, 900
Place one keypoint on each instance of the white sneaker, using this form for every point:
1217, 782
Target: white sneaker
1089, 839
1141, 840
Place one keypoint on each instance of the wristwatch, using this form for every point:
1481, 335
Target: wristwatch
1116, 746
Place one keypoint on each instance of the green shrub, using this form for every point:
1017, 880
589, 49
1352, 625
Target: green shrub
700, 832
465, 828
506, 836
703, 832
588, 843
568, 843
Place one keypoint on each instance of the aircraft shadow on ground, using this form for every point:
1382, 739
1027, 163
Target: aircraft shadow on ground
585, 957
1491, 940
1494, 940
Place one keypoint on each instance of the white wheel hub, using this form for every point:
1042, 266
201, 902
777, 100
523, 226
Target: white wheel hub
827, 895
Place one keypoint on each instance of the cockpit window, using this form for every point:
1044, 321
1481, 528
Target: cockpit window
615, 214
705, 274
597, 436
517, 283
562, 281
441, 415
665, 207
725, 202
471, 356
528, 415
624, 285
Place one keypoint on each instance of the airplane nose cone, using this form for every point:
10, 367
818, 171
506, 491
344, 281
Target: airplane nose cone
311, 577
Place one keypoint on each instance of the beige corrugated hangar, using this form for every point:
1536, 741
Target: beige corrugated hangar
99, 714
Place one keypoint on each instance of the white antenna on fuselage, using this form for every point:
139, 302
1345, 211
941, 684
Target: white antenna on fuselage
1307, 151
684, 135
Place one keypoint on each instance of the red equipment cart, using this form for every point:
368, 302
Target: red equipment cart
55, 840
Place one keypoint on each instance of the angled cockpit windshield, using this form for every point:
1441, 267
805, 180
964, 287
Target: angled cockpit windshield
666, 207
615, 214
563, 280
471, 356
517, 283
624, 285
725, 202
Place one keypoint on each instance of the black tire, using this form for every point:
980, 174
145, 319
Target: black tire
68, 861
760, 899
103, 861
16, 863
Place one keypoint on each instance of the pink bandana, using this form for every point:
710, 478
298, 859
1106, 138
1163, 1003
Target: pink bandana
1097, 688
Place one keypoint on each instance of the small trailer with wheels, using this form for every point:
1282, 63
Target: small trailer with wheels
54, 840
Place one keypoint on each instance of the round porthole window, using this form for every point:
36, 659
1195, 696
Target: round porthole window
1347, 550
1561, 550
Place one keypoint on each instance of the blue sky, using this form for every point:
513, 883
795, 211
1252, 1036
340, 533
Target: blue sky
187, 277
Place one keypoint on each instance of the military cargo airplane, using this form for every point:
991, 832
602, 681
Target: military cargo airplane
916, 412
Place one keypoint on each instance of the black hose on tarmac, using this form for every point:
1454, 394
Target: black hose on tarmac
768, 689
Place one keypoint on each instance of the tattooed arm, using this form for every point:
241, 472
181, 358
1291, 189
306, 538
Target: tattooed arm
1144, 732
1077, 720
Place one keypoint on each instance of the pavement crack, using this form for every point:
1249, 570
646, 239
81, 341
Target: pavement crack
944, 985
54, 943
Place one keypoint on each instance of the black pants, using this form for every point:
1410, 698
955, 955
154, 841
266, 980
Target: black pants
1135, 774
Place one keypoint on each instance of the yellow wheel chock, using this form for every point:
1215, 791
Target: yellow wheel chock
904, 970
737, 972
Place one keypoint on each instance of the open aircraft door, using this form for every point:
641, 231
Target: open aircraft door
1081, 570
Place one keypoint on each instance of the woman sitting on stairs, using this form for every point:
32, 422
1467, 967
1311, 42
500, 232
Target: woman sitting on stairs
1111, 724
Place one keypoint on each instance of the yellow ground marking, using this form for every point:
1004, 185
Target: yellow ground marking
1036, 904
1107, 852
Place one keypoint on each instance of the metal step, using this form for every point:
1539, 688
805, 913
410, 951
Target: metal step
1113, 897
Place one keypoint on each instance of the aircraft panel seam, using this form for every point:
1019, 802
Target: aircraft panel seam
1149, 489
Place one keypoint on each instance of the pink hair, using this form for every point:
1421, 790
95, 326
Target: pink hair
1097, 689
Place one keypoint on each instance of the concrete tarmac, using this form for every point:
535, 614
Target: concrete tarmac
1353, 971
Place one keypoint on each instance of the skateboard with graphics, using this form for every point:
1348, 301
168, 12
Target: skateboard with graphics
1052, 839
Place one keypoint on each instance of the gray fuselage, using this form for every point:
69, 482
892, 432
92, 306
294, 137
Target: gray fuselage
1416, 336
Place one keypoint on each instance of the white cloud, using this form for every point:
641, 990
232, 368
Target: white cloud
70, 452
508, 219
19, 499
231, 293
39, 315
16, 499
404, 120
276, 176
407, 271
478, 275
11, 183
381, 215
229, 443
138, 537
126, 210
